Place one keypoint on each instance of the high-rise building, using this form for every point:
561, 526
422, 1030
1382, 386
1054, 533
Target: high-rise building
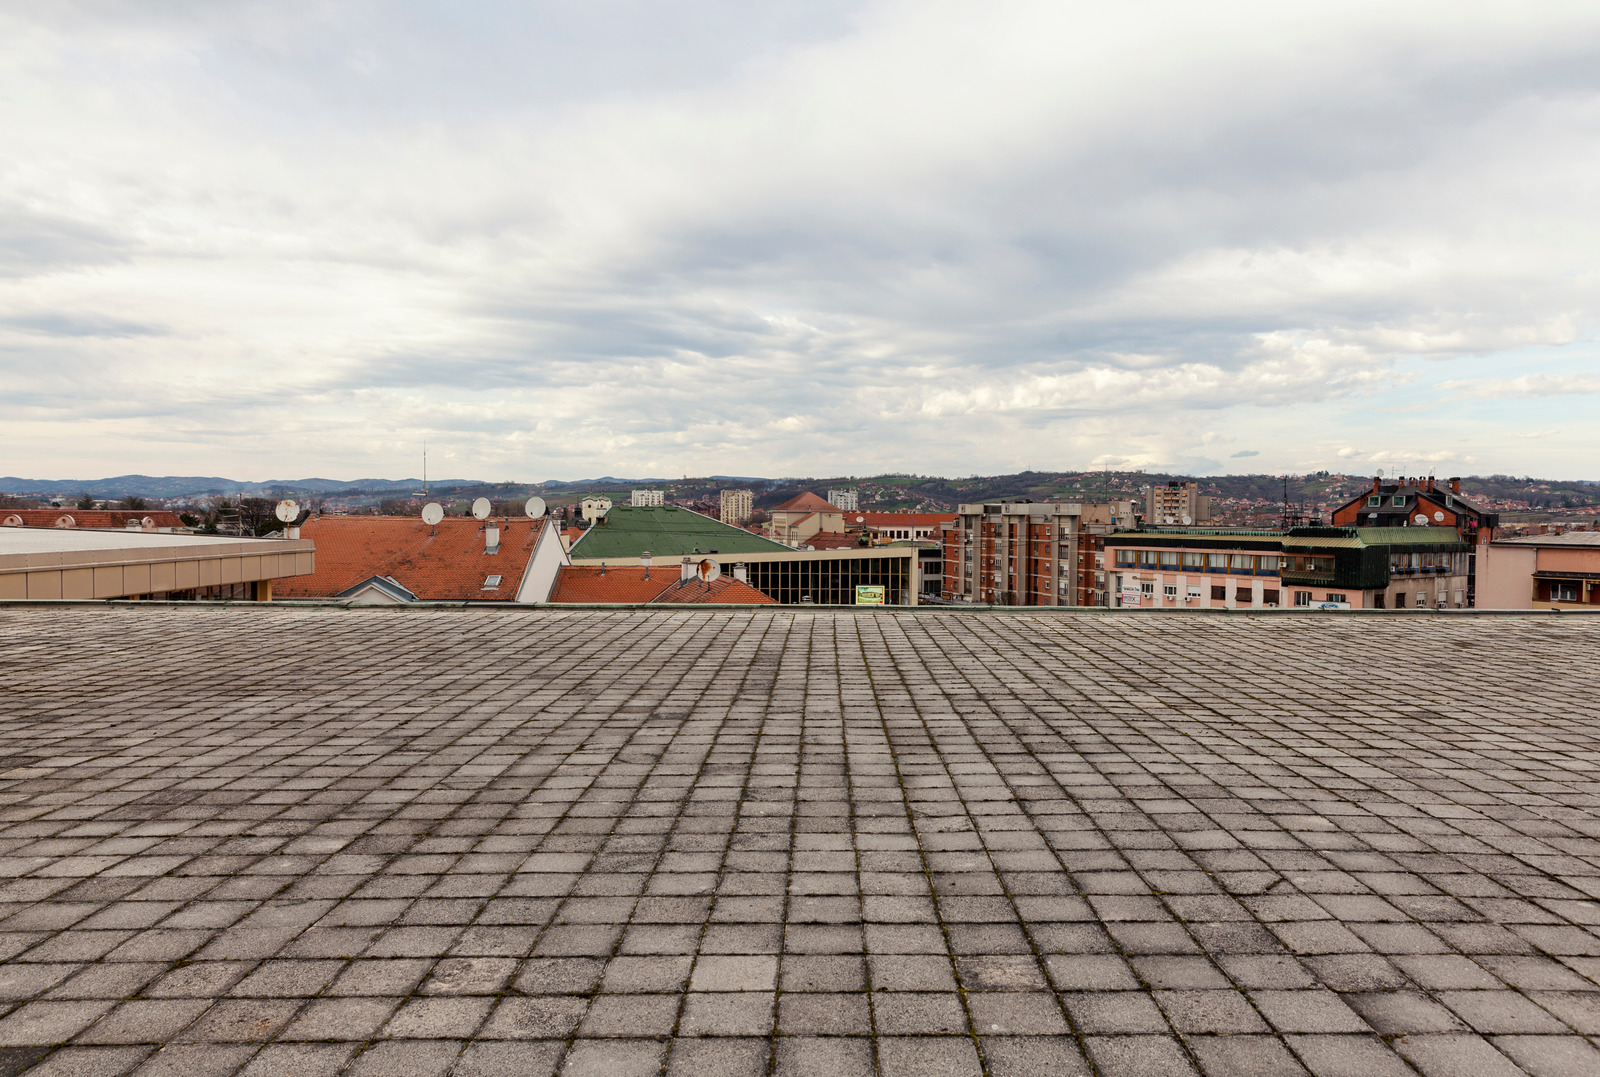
1179, 503
737, 506
647, 498
1031, 554
845, 500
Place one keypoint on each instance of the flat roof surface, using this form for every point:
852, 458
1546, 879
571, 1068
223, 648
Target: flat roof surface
666, 531
285, 840
75, 540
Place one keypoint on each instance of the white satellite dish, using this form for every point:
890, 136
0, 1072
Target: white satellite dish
66, 521
12, 521
432, 513
708, 570
1187, 520
481, 508
534, 507
1439, 516
1422, 518
861, 519
148, 523
288, 511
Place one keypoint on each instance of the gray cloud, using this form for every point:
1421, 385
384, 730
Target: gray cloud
785, 237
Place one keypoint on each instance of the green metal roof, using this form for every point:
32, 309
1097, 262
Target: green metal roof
666, 531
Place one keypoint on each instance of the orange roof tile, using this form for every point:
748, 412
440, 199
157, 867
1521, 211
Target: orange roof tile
832, 540
807, 502
440, 564
897, 519
627, 583
93, 517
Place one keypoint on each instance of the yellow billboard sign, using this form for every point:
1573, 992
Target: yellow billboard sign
869, 594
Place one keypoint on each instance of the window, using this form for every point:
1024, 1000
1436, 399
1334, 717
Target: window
1332, 597
491, 582
1147, 557
1241, 562
1377, 601
1147, 588
1169, 558
1124, 558
1399, 501
1194, 590
1216, 562
1269, 595
1243, 594
1219, 594
1194, 560
1563, 592
1268, 564
1399, 600
1458, 600
1302, 598
1170, 590
1422, 601
1375, 500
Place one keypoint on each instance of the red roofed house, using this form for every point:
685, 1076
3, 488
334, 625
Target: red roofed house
160, 519
637, 584
797, 519
897, 526
392, 559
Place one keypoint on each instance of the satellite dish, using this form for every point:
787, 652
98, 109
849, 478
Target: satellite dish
534, 507
1439, 516
13, 521
481, 508
66, 521
432, 513
1187, 520
708, 570
861, 519
288, 511
1372, 516
1422, 518
148, 523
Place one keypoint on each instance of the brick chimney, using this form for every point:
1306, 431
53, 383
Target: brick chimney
1455, 485
1377, 481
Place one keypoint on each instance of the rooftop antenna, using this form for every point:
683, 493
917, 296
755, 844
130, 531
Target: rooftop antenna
424, 468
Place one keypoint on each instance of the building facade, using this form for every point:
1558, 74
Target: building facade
795, 521
647, 498
898, 526
737, 507
845, 500
1422, 502
1176, 503
1362, 568
1030, 553
1541, 572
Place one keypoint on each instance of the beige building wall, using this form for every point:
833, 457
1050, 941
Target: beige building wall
121, 568
1505, 577
737, 507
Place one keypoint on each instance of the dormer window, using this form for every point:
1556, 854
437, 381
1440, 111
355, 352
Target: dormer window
1375, 500
1399, 501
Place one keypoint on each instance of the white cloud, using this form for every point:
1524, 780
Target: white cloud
783, 238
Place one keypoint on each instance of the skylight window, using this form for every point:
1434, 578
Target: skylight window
491, 582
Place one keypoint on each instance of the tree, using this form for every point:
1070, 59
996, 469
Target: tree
134, 504
86, 500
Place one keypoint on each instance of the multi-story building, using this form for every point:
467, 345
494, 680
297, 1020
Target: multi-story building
1179, 503
737, 507
897, 526
801, 517
1541, 572
1419, 502
845, 500
1031, 553
647, 498
1363, 568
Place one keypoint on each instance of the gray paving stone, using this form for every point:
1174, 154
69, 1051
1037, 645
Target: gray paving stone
911, 827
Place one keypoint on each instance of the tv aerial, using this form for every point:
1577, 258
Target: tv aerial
534, 507
287, 511
481, 508
432, 513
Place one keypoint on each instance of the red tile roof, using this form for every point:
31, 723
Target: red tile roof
441, 564
832, 540
807, 502
117, 518
627, 583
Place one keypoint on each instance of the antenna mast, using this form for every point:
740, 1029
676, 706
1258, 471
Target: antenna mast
424, 470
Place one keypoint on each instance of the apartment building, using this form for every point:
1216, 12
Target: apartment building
737, 507
1031, 553
1178, 503
1361, 568
1541, 572
1421, 502
845, 500
645, 499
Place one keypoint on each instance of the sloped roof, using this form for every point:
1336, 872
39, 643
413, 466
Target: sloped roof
101, 518
667, 532
627, 583
807, 502
833, 540
440, 564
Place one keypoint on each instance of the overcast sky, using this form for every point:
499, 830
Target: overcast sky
567, 239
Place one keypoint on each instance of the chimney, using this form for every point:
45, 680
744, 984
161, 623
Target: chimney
740, 573
602, 568
686, 569
1455, 485
1377, 481
644, 559
491, 539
